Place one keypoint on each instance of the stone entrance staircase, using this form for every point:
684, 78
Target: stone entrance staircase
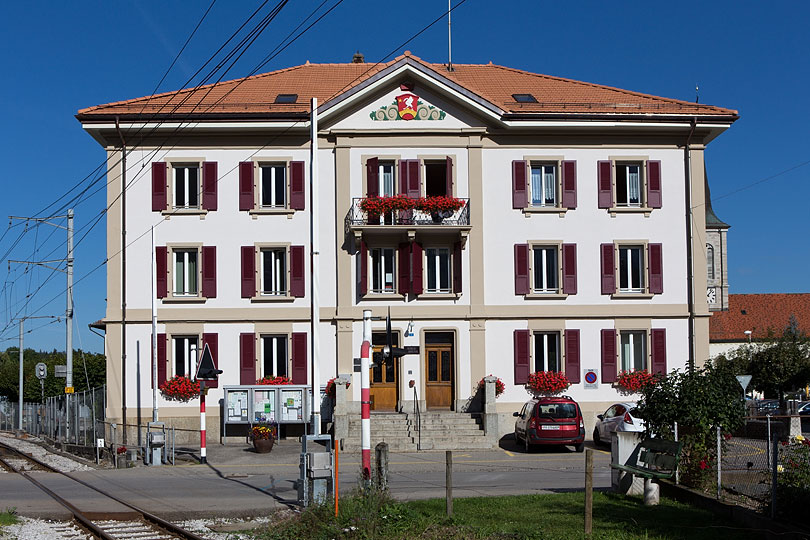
444, 430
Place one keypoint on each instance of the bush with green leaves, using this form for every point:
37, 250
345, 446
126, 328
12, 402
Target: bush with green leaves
793, 478
698, 401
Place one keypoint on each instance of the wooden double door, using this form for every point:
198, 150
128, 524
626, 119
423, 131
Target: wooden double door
383, 376
439, 375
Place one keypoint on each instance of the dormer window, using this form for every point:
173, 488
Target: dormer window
286, 98
524, 98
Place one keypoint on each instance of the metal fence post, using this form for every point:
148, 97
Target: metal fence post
774, 477
768, 446
719, 463
677, 469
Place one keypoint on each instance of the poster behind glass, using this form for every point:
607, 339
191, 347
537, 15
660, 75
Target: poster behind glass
292, 405
264, 405
238, 406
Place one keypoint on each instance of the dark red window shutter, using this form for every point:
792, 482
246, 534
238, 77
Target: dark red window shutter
159, 187
416, 268
246, 185
520, 195
209, 182
162, 271
297, 185
569, 268
522, 339
659, 350
655, 268
605, 181
363, 254
608, 269
449, 178
161, 359
572, 355
247, 358
609, 356
209, 271
212, 340
299, 358
414, 184
404, 268
457, 267
248, 257
569, 184
521, 268
654, 184
373, 177
403, 177
297, 271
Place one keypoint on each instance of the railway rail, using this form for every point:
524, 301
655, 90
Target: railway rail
134, 523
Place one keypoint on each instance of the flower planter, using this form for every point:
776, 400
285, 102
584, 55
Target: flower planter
263, 446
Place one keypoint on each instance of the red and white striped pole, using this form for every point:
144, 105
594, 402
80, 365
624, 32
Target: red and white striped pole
202, 422
365, 394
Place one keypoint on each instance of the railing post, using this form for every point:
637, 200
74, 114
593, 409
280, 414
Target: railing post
719, 464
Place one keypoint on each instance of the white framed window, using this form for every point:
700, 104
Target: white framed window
186, 182
275, 356
273, 271
629, 184
387, 179
544, 179
631, 269
709, 261
547, 351
273, 185
383, 270
184, 355
633, 350
545, 269
438, 270
186, 272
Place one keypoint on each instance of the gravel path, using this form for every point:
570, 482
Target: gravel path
62, 463
40, 529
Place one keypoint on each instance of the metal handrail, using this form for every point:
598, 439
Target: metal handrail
418, 419
454, 218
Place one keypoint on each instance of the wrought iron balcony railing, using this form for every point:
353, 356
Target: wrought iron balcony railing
412, 217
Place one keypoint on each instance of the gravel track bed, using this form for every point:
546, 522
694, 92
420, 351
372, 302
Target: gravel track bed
61, 463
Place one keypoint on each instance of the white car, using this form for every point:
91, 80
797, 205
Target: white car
618, 417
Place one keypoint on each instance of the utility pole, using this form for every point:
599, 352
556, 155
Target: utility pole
124, 282
315, 302
68, 270
20, 397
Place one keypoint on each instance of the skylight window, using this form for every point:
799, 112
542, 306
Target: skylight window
524, 98
286, 98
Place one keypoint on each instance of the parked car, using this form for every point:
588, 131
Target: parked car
804, 408
618, 417
764, 407
550, 420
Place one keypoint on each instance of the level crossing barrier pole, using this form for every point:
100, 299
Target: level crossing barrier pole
365, 397
202, 423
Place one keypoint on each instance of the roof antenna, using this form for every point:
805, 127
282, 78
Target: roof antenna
449, 41
697, 93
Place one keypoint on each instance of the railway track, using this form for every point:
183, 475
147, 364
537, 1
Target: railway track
133, 523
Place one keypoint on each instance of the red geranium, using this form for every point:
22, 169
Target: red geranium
180, 389
274, 380
499, 386
633, 381
431, 205
548, 382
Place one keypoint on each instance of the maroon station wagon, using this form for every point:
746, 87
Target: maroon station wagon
550, 420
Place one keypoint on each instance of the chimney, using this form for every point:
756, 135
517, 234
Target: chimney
358, 58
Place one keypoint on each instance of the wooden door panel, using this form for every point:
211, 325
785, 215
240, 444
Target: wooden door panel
383, 384
439, 376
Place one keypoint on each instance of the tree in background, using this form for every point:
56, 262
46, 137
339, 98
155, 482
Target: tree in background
89, 371
778, 364
698, 401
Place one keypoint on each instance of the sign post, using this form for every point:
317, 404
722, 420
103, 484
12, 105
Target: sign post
206, 371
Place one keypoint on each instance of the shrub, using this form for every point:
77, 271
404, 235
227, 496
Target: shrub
793, 478
698, 401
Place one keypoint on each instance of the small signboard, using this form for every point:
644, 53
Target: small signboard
358, 365
744, 381
99, 443
591, 378
68, 389
207, 371
60, 371
411, 349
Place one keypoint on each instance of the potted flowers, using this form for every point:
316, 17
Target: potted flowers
264, 436
281, 379
632, 381
499, 386
180, 388
547, 383
439, 207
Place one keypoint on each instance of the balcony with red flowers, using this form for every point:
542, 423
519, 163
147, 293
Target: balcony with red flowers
403, 213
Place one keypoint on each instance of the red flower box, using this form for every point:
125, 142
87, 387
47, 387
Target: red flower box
499, 386
180, 389
274, 380
633, 381
547, 382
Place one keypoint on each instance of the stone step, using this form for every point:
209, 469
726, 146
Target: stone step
408, 444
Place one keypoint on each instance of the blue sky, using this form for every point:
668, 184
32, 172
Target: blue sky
63, 56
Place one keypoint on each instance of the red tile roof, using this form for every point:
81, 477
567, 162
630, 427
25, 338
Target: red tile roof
255, 96
759, 313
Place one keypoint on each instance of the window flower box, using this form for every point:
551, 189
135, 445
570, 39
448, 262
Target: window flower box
547, 383
274, 380
633, 381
